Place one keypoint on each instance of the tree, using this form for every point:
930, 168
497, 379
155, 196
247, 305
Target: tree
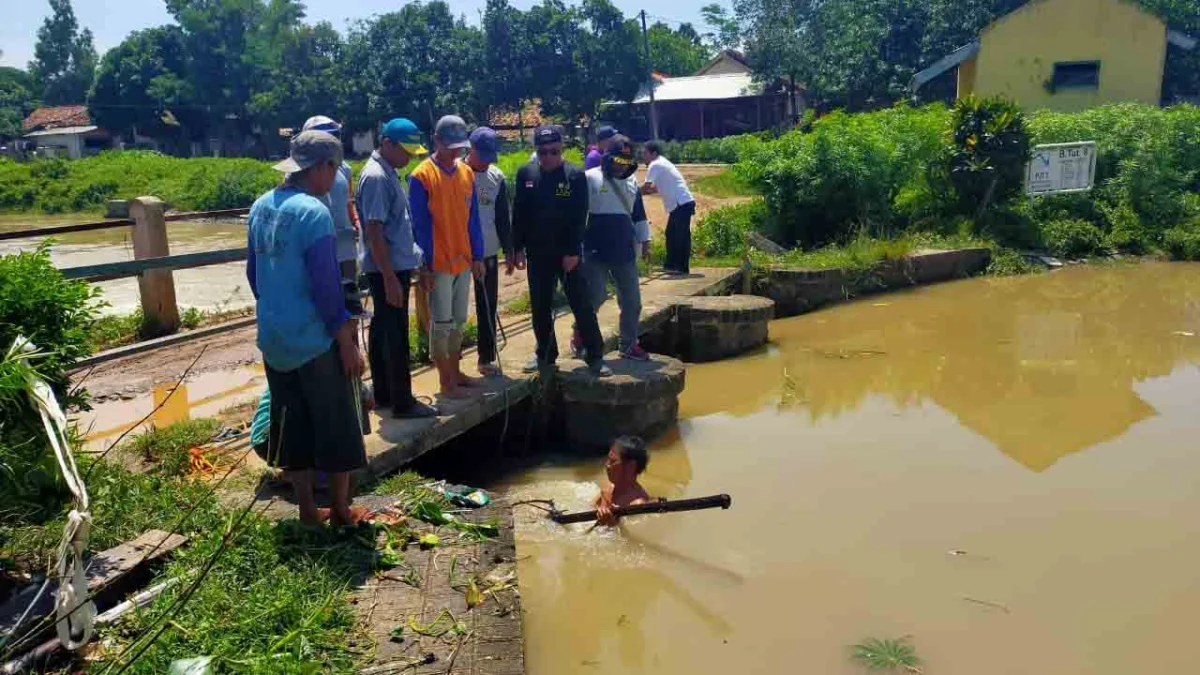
306, 78
16, 100
419, 62
231, 45
64, 58
676, 52
508, 72
724, 32
141, 80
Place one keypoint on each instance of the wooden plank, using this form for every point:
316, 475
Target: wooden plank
132, 268
103, 569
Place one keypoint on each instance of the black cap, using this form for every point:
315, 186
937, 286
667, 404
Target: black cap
547, 134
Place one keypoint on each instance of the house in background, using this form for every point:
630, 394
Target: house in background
1065, 55
64, 131
720, 99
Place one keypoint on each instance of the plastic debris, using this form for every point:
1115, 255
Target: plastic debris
200, 665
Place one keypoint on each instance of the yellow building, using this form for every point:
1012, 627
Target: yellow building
1065, 55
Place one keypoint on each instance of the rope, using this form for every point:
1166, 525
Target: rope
74, 627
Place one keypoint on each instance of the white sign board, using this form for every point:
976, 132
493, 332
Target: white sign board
1062, 167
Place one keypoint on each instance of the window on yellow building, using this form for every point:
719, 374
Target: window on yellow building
1076, 75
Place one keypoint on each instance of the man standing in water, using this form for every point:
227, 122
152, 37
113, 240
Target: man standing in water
492, 191
550, 216
304, 330
389, 259
664, 179
445, 210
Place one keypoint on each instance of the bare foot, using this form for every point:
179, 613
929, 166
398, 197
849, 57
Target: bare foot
353, 516
455, 393
322, 515
469, 382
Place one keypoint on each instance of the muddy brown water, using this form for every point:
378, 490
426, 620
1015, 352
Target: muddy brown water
1004, 470
216, 287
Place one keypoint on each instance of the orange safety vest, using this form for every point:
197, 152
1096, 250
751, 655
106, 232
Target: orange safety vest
449, 196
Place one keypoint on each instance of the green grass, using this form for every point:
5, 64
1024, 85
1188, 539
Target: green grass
724, 185
275, 602
116, 330
887, 655
166, 448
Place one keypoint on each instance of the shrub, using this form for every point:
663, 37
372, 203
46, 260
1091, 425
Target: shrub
52, 312
723, 185
848, 172
989, 148
1072, 238
725, 150
722, 232
1183, 242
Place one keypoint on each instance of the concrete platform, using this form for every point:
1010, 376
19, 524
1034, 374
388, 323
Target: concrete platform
711, 329
641, 399
397, 442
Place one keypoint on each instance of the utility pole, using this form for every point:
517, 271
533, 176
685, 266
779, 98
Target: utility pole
649, 77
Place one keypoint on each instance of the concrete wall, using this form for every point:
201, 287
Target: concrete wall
1018, 52
799, 291
67, 146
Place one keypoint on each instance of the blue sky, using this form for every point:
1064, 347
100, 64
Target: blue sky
112, 20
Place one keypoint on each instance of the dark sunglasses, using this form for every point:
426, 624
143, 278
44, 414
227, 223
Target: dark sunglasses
548, 152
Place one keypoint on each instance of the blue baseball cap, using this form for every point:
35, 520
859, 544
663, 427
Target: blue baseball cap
604, 133
486, 144
404, 133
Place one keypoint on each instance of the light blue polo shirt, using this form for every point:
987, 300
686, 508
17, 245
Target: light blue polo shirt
381, 197
338, 201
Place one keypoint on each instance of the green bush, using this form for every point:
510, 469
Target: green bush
1072, 238
1183, 242
1147, 164
725, 150
722, 231
54, 314
989, 148
848, 172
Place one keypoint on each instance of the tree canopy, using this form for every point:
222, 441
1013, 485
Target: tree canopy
64, 57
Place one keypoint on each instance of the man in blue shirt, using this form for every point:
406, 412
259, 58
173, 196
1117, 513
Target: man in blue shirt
304, 330
345, 216
390, 256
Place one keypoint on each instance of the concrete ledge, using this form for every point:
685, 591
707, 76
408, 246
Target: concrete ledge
711, 329
798, 291
641, 398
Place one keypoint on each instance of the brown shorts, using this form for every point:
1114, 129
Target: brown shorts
315, 422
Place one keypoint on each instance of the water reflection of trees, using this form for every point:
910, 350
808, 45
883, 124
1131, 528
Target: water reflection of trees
1041, 366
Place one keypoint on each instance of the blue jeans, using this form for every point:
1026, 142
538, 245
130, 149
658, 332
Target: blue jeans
629, 293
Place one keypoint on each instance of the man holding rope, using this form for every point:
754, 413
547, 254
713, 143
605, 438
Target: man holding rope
306, 335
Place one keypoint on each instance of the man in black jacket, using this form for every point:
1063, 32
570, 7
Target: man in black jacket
549, 220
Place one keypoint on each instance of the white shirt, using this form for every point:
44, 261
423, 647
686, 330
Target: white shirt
670, 183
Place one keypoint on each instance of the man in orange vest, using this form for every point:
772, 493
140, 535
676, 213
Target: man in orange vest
445, 213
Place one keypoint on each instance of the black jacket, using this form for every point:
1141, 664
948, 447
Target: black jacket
550, 210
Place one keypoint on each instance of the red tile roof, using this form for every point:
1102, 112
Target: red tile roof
57, 117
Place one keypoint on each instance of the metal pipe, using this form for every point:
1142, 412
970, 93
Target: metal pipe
662, 506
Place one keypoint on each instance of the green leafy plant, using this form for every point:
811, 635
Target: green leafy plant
166, 448
1183, 242
1072, 238
723, 185
722, 231
989, 149
887, 654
